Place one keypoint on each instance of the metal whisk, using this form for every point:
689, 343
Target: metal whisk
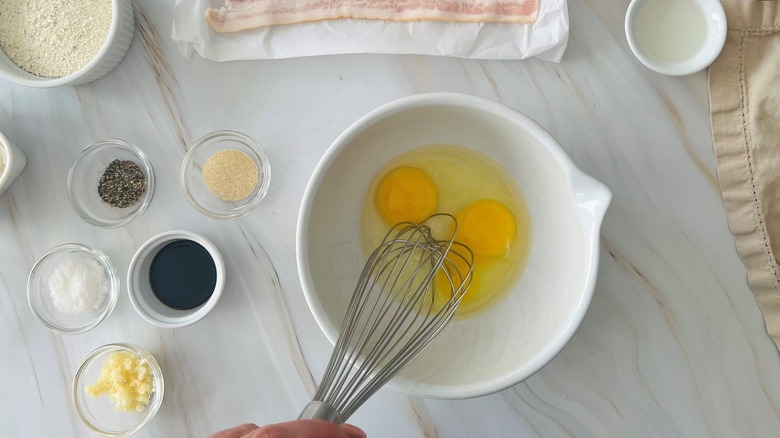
407, 293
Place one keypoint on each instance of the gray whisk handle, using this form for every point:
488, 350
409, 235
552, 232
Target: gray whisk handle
317, 410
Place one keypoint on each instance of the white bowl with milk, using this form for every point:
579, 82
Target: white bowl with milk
676, 37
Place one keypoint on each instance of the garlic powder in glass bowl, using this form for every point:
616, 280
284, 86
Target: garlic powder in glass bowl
195, 181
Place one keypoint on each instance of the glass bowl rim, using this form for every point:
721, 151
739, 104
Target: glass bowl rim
145, 163
95, 254
260, 191
157, 378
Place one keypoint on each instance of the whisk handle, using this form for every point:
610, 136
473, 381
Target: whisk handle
317, 410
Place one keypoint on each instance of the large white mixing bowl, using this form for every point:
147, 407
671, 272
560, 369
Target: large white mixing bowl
508, 343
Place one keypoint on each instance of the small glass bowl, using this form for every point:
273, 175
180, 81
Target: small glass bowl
39, 296
85, 174
195, 188
98, 413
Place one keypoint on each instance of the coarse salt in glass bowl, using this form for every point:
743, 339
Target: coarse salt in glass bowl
84, 177
99, 413
39, 296
194, 186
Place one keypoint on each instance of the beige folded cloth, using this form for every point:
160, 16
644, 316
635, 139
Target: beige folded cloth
744, 87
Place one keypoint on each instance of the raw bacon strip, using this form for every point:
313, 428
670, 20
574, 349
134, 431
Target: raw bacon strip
239, 15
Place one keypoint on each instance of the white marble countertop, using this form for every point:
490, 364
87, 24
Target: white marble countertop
673, 344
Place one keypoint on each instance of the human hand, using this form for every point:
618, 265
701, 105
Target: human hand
293, 429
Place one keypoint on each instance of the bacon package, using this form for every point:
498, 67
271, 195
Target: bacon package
477, 29
238, 15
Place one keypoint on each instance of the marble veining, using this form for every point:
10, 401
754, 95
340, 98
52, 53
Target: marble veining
162, 71
673, 343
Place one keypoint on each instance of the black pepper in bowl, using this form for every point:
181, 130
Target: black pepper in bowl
123, 184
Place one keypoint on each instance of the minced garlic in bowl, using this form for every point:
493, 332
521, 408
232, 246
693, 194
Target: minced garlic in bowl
118, 389
126, 379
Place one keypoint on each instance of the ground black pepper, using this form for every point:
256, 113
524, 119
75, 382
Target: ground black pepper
123, 184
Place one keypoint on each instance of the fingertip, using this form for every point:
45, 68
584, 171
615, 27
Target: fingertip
352, 431
247, 427
236, 432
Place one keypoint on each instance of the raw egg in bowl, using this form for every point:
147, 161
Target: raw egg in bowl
529, 215
492, 216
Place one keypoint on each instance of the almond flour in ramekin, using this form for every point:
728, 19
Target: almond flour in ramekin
53, 38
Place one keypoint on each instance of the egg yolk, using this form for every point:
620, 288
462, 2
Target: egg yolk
406, 194
487, 227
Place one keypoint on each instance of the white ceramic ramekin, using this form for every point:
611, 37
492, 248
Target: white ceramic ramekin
110, 55
713, 44
141, 295
509, 342
13, 162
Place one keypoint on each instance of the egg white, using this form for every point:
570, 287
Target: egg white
462, 176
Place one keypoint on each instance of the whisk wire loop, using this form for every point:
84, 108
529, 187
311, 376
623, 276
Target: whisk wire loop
397, 308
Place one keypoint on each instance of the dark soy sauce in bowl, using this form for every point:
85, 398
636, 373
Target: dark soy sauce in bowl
183, 275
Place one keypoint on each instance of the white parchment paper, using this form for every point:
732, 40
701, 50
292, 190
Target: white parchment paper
545, 39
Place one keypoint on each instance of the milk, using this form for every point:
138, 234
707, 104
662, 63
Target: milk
671, 30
